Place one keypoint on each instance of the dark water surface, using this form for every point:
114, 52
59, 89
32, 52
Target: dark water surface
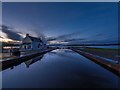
59, 69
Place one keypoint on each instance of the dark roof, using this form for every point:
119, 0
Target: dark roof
35, 39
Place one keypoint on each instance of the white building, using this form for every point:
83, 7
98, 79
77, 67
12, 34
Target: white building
32, 43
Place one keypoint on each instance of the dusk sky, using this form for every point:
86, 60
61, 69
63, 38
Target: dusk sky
73, 22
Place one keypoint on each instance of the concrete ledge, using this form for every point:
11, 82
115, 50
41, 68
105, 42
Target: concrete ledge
114, 68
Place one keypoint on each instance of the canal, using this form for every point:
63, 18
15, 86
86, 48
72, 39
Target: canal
59, 69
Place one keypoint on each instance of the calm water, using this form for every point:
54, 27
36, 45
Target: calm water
59, 69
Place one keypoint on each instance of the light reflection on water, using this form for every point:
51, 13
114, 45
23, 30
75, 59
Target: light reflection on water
59, 68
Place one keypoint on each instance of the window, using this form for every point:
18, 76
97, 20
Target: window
39, 45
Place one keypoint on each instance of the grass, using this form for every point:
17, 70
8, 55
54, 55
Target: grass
111, 49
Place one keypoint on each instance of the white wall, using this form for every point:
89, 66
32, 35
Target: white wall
35, 45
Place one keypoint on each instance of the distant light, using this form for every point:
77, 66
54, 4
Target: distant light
57, 42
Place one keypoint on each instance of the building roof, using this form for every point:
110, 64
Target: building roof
35, 39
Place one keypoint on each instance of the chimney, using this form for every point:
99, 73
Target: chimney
27, 35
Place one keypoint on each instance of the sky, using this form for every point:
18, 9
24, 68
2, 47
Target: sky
83, 22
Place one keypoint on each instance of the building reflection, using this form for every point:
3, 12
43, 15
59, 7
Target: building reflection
33, 60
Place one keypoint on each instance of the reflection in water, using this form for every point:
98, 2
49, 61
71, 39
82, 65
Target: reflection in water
62, 69
61, 53
31, 61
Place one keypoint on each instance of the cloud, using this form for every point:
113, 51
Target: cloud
75, 39
64, 37
99, 38
11, 34
94, 41
14, 34
1, 37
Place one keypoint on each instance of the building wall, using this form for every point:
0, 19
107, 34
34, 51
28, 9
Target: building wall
37, 45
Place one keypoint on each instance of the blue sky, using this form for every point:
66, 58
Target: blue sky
90, 22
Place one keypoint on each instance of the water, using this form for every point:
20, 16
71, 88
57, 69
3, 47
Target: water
59, 69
